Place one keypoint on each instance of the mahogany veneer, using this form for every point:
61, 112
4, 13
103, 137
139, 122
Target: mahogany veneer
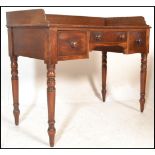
52, 38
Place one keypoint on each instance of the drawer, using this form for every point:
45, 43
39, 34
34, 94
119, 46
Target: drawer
72, 44
109, 36
137, 41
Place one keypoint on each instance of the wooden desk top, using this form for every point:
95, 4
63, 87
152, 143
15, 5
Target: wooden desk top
38, 17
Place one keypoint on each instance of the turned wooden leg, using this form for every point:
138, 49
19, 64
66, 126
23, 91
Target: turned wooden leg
51, 101
104, 72
143, 80
14, 79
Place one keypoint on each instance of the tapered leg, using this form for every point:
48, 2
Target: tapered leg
51, 101
14, 79
143, 80
104, 72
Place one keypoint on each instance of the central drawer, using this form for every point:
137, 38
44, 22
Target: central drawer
108, 36
72, 44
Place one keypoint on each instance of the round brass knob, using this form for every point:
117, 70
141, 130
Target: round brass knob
74, 44
122, 36
98, 37
139, 42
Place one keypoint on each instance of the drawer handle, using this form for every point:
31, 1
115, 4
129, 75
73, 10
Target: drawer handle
122, 36
139, 42
98, 37
73, 44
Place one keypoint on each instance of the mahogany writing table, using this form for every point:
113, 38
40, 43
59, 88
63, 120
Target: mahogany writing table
53, 38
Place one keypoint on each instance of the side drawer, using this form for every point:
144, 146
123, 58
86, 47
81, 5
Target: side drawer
72, 44
137, 41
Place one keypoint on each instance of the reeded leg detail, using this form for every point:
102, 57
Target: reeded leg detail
143, 80
14, 79
51, 101
104, 72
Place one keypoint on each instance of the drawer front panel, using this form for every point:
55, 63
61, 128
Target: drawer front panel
137, 41
72, 44
110, 36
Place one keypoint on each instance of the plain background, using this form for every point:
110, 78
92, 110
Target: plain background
82, 119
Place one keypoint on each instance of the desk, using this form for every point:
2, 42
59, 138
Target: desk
53, 38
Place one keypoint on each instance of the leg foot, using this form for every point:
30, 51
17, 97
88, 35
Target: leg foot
142, 102
103, 95
51, 133
16, 113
